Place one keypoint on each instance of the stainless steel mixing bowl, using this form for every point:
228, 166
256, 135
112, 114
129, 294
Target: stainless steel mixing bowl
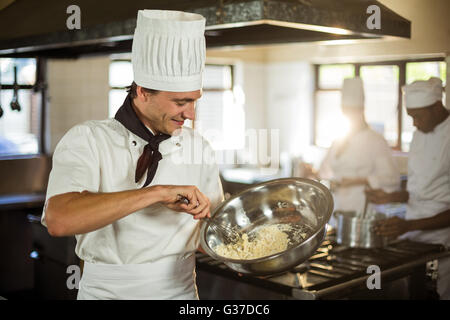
304, 204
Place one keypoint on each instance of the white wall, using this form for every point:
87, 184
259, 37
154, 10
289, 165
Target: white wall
278, 96
289, 91
254, 86
78, 91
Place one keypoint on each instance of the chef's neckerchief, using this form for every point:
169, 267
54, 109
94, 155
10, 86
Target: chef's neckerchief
150, 157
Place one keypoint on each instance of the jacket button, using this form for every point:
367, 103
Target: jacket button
134, 143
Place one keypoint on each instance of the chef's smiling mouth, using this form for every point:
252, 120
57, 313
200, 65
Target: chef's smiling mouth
179, 122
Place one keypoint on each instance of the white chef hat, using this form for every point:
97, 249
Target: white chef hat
168, 51
352, 93
420, 93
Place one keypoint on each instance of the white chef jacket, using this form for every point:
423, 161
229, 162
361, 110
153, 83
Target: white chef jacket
429, 180
366, 155
101, 156
429, 191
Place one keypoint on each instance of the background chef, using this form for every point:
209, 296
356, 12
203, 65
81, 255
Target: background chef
428, 190
362, 158
115, 184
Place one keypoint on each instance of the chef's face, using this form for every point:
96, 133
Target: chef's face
166, 111
423, 118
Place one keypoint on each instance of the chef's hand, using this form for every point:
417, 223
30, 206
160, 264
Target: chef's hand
198, 206
308, 171
350, 182
392, 227
377, 196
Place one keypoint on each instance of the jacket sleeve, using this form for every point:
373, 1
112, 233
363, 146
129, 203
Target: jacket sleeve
75, 164
385, 174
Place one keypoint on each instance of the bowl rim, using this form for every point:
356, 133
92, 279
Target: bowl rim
319, 229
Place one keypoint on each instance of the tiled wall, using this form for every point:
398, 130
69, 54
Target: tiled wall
78, 91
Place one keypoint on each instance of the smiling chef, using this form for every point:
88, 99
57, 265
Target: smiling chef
116, 184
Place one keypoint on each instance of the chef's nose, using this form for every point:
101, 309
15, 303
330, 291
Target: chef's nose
189, 112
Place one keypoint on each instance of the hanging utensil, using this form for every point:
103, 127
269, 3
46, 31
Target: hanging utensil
15, 100
1, 109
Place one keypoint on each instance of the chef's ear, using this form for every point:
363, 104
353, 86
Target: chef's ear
141, 94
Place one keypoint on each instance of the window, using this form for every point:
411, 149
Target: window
381, 99
382, 83
120, 76
20, 123
218, 117
330, 123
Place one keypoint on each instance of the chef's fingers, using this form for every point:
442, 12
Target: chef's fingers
391, 227
193, 200
204, 206
389, 232
370, 192
206, 213
376, 196
376, 200
387, 222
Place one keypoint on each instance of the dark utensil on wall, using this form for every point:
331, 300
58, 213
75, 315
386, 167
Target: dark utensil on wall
1, 109
15, 100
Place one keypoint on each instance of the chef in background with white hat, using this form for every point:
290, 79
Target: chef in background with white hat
116, 184
428, 190
361, 159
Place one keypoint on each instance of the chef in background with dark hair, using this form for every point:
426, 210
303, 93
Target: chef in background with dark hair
428, 191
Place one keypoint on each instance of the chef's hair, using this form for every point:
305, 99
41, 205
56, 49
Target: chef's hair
132, 90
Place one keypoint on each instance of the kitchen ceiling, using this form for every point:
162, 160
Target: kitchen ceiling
38, 28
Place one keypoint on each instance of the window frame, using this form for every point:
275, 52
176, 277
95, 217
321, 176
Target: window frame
401, 64
231, 66
115, 87
219, 89
40, 86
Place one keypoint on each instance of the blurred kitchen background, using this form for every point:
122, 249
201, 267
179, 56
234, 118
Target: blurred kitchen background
275, 77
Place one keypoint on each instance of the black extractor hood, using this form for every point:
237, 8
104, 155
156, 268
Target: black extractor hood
39, 28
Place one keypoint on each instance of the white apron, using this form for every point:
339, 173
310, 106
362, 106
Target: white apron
170, 278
